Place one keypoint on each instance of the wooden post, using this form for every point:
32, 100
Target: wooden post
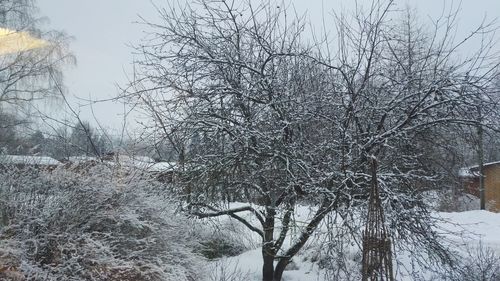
480, 153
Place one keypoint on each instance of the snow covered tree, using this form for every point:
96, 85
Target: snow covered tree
274, 122
246, 98
31, 62
30, 58
404, 91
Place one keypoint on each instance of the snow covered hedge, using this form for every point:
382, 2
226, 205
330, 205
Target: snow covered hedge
91, 226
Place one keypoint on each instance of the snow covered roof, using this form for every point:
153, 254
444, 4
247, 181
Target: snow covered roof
28, 160
467, 173
143, 163
484, 165
472, 171
162, 167
144, 159
81, 158
151, 166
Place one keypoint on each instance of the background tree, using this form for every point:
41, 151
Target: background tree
38, 143
28, 75
58, 144
8, 139
86, 140
403, 91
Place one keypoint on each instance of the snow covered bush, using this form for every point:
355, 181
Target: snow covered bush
218, 247
479, 263
223, 238
95, 225
224, 270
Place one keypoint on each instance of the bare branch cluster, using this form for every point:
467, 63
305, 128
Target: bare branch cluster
257, 114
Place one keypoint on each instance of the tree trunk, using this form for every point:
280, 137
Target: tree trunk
268, 250
268, 267
280, 268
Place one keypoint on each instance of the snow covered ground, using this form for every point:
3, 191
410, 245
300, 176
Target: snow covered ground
248, 266
470, 229
475, 227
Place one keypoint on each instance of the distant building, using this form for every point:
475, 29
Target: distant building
25, 161
470, 180
124, 164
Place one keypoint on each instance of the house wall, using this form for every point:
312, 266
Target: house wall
471, 185
492, 186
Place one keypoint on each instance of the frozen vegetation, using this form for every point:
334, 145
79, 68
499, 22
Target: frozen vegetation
92, 225
103, 223
262, 145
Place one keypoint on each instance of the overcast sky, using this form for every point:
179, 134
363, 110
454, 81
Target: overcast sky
104, 29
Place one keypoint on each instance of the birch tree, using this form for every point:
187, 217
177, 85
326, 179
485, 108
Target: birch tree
28, 72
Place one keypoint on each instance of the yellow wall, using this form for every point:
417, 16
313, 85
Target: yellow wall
492, 186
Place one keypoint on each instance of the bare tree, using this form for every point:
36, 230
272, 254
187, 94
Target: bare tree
244, 92
402, 91
27, 75
260, 116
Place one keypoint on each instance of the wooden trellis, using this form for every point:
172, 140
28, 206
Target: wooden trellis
377, 253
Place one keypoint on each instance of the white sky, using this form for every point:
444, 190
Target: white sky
102, 30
